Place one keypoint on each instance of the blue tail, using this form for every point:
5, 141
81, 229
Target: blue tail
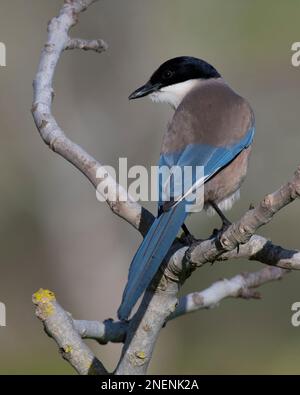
150, 255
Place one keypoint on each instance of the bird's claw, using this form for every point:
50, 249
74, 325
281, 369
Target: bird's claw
189, 239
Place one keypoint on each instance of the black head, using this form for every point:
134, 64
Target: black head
174, 71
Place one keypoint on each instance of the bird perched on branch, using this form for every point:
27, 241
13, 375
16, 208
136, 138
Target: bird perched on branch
212, 128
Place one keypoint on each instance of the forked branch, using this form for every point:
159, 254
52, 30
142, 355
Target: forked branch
160, 302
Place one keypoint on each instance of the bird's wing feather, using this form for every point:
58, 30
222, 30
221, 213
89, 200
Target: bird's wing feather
211, 158
165, 228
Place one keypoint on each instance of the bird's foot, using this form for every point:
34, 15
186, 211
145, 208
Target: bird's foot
217, 233
186, 237
225, 224
189, 239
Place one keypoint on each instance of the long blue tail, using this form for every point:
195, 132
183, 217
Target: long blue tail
150, 255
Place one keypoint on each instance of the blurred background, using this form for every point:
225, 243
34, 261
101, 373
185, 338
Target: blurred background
55, 234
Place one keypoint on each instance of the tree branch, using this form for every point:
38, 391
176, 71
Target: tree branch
160, 299
241, 231
263, 250
124, 206
241, 286
58, 39
87, 45
59, 325
103, 332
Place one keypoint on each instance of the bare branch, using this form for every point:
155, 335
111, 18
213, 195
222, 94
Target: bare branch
59, 325
160, 298
241, 231
103, 332
87, 45
263, 250
58, 39
241, 286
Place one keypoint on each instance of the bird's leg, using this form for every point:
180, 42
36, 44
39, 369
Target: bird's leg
188, 237
225, 221
185, 230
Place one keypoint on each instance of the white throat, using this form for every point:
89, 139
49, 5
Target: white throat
174, 94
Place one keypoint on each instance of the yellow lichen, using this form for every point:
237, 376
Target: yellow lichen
68, 348
44, 299
140, 354
43, 295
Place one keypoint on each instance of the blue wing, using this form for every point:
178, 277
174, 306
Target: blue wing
210, 157
165, 228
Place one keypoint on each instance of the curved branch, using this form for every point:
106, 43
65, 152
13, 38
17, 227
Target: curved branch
58, 40
241, 232
240, 286
59, 325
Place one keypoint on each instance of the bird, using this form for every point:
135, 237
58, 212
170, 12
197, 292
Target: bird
212, 126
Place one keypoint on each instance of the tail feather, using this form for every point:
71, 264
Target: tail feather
150, 254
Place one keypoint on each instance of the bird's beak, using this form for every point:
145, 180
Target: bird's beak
144, 90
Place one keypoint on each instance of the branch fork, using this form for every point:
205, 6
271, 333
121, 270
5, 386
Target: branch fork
160, 302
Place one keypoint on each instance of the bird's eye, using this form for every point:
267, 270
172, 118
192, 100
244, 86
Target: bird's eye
167, 74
